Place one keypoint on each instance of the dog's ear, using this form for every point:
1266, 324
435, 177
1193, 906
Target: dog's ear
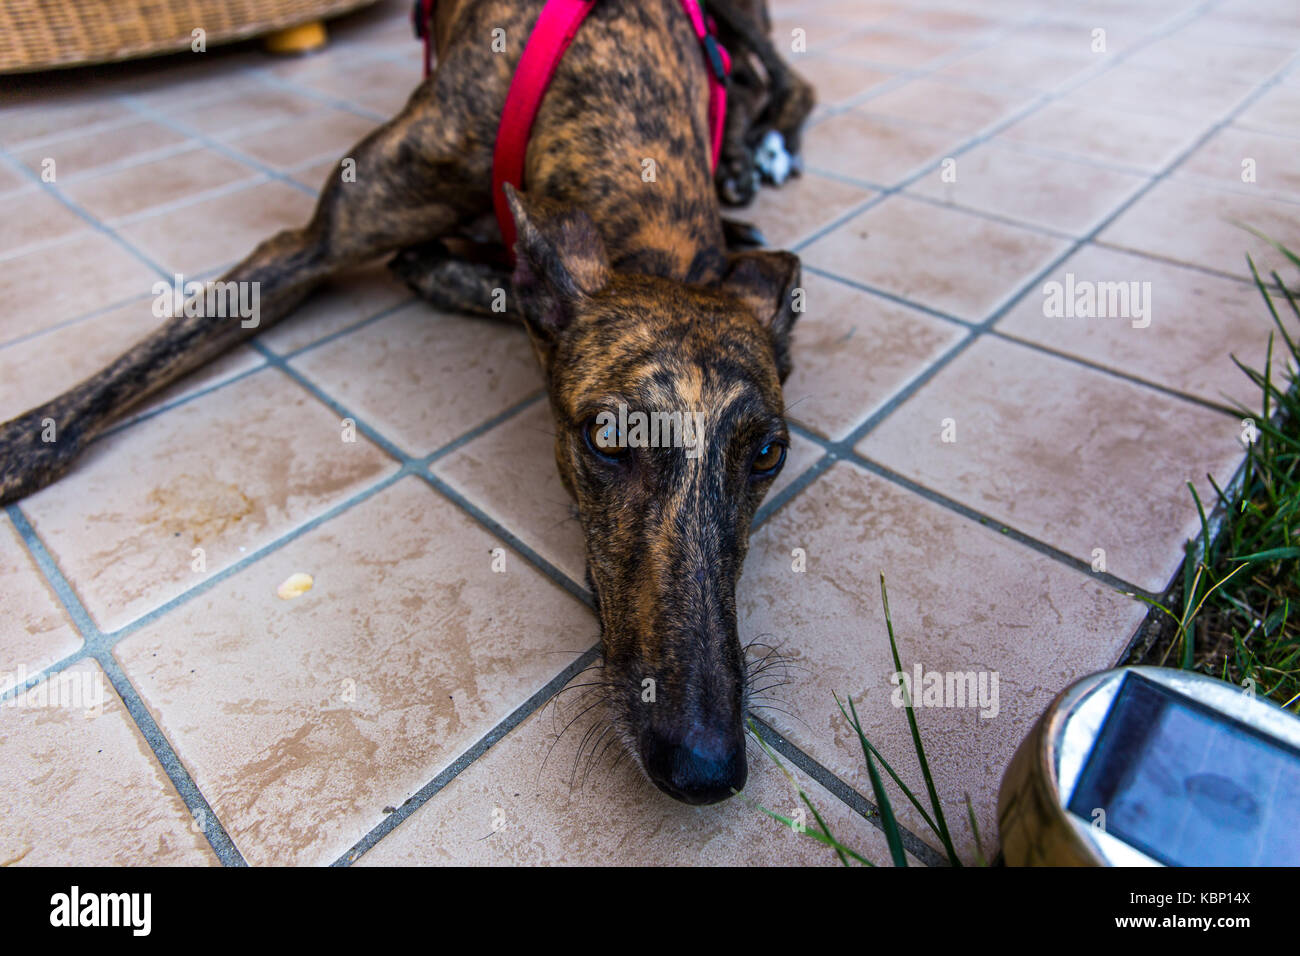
768, 283
560, 261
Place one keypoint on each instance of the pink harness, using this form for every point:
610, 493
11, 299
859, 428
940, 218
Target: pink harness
555, 29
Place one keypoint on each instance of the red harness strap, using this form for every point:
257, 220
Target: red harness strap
555, 29
556, 26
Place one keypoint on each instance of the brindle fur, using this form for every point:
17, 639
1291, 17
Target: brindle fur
628, 292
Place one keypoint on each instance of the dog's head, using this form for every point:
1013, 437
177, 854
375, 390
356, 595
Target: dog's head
669, 431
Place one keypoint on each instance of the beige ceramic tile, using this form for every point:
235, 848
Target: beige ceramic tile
1008, 64
1216, 58
853, 351
1187, 222
34, 217
422, 378
258, 109
963, 599
11, 181
74, 156
46, 120
946, 105
86, 790
376, 86
302, 720
1276, 111
510, 473
315, 175
1100, 463
135, 189
1248, 161
893, 49
1195, 321
1191, 95
1217, 28
35, 630
347, 299
516, 806
802, 455
948, 260
820, 34
37, 369
220, 231
1076, 39
179, 87
955, 24
228, 473
1148, 143
861, 12
874, 149
1043, 191
796, 210
37, 293
319, 136
838, 79
1266, 13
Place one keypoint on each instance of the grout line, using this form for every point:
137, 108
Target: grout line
348, 330
846, 793
97, 646
200, 809
52, 189
998, 313
516, 717
186, 129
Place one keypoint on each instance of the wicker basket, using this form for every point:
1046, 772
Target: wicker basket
40, 34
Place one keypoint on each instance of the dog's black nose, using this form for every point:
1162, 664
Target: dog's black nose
704, 768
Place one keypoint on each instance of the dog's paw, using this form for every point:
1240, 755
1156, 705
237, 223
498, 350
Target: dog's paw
35, 450
774, 162
742, 235
417, 266
737, 179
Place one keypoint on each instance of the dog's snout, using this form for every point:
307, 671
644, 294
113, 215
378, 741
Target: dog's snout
705, 767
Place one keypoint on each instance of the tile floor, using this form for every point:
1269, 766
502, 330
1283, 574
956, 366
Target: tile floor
946, 432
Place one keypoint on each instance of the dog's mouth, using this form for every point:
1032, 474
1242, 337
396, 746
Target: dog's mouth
685, 730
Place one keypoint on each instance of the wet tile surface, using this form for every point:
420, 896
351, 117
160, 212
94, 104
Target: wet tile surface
964, 600
1100, 464
36, 631
942, 258
82, 787
223, 476
304, 719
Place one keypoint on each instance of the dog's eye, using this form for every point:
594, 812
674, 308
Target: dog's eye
769, 460
603, 439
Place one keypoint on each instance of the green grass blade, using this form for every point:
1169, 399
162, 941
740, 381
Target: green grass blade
892, 835
942, 824
868, 745
1272, 554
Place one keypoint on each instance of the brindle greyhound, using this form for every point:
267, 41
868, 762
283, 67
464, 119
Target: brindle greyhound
629, 294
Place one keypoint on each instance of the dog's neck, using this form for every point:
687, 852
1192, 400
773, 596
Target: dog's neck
643, 171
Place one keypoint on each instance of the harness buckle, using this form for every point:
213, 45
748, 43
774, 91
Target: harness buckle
713, 50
